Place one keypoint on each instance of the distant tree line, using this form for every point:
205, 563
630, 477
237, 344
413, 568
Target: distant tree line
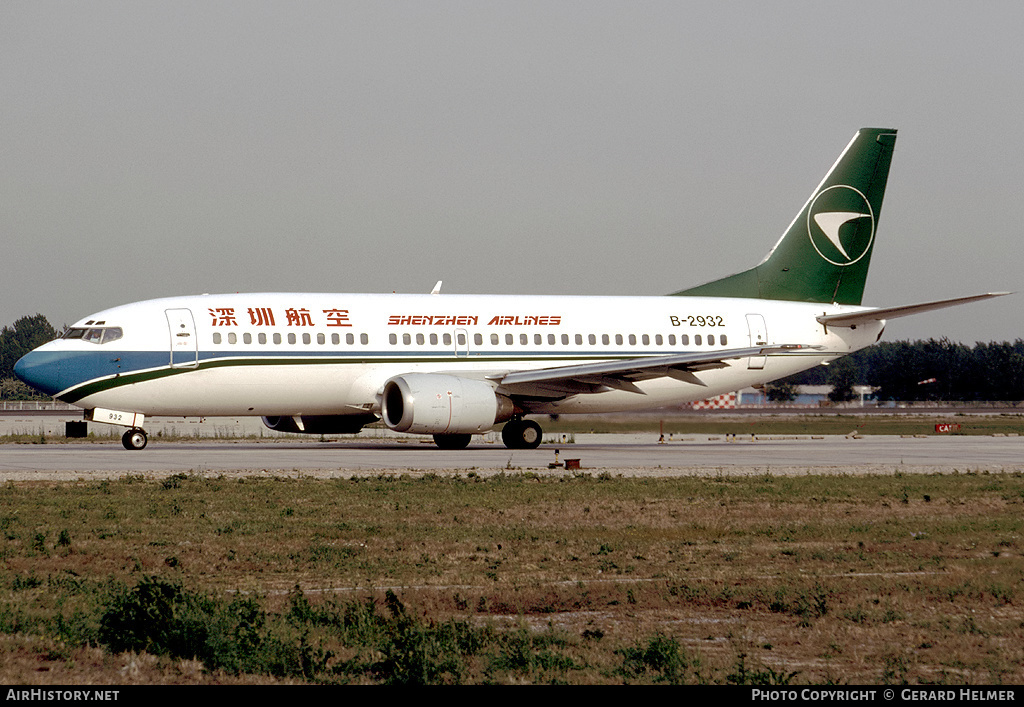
936, 369
16, 341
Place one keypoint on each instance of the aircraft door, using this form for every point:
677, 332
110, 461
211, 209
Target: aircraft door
758, 337
184, 347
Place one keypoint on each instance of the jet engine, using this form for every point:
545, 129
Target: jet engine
433, 403
319, 424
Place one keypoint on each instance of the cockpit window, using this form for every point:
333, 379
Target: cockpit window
95, 335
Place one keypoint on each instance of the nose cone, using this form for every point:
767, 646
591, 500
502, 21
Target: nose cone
41, 370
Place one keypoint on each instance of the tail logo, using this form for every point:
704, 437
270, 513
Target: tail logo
841, 224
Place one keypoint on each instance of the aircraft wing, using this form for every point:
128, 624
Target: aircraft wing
622, 375
870, 315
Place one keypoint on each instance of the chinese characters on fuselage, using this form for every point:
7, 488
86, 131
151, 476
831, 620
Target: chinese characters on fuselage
293, 317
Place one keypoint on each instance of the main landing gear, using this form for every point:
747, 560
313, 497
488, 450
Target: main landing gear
516, 434
134, 438
521, 434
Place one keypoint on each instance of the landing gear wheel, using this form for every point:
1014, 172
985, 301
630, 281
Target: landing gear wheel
134, 439
455, 441
521, 434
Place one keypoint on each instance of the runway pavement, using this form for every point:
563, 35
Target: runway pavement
629, 454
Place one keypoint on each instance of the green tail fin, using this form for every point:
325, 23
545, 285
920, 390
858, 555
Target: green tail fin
825, 252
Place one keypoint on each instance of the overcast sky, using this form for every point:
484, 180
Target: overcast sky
161, 148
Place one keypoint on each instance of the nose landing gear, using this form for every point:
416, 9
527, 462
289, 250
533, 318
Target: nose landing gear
134, 438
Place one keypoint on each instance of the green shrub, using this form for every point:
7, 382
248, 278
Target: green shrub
663, 658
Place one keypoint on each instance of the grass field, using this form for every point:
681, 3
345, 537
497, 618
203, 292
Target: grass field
514, 579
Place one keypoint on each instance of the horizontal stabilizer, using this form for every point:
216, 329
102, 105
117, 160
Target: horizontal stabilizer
871, 315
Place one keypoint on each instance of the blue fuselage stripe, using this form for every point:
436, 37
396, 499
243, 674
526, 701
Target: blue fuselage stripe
57, 372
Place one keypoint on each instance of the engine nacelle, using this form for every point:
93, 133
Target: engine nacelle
319, 424
433, 403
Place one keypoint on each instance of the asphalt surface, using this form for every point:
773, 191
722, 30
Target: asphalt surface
633, 455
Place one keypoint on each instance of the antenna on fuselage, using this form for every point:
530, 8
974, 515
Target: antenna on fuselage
437, 288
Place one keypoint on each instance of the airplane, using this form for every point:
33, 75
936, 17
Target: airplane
454, 366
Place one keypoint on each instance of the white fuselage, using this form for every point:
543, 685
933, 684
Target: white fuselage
330, 354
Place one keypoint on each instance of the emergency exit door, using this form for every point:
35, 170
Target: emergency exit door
758, 337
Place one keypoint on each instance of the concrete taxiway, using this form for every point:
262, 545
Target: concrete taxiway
626, 454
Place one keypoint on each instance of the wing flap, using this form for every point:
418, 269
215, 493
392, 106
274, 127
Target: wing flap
622, 374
